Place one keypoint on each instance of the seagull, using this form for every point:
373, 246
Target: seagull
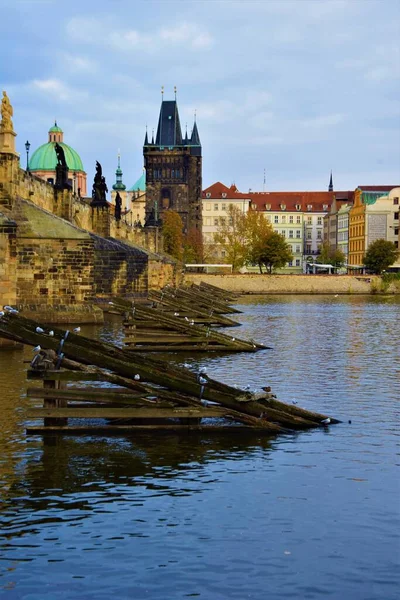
233, 339
192, 322
111, 303
203, 370
176, 314
326, 421
202, 380
294, 402
137, 377
37, 348
9, 308
76, 330
336, 295
2, 313
39, 330
186, 319
186, 365
51, 333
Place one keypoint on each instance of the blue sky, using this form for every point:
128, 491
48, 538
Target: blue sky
295, 87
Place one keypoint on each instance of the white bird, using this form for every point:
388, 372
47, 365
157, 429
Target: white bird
326, 421
137, 377
10, 308
203, 370
111, 303
192, 322
233, 339
202, 380
39, 330
186, 319
2, 313
176, 314
37, 348
76, 330
186, 365
336, 295
51, 333
294, 402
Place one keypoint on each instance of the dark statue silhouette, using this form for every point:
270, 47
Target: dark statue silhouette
118, 205
100, 188
61, 169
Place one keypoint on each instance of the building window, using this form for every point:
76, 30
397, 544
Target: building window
298, 207
222, 220
290, 264
207, 221
297, 262
319, 220
298, 233
396, 216
267, 207
215, 206
283, 233
309, 220
224, 195
290, 233
216, 221
309, 235
309, 207
208, 195
298, 219
298, 249
284, 219
291, 219
325, 207
276, 219
395, 200
223, 207
319, 234
283, 206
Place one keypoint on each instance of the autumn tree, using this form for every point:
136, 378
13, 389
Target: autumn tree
172, 231
380, 255
231, 236
276, 252
258, 230
193, 250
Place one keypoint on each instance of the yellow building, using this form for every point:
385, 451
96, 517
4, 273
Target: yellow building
374, 215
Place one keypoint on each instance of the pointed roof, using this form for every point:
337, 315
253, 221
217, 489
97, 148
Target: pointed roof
140, 184
169, 131
330, 188
146, 139
118, 185
195, 139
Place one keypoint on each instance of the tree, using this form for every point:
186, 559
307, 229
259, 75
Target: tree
193, 251
380, 255
172, 230
258, 230
276, 252
334, 257
231, 236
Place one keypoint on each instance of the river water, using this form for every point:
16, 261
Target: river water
308, 515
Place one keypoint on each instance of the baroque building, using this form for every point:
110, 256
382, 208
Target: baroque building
173, 166
44, 159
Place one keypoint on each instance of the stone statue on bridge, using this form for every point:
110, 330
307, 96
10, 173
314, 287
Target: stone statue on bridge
100, 188
7, 112
62, 182
118, 205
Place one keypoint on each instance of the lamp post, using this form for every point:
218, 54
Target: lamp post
27, 146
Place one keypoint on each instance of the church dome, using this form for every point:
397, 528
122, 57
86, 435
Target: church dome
140, 185
45, 158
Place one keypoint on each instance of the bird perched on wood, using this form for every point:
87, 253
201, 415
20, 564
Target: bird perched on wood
51, 333
76, 330
186, 365
137, 377
39, 330
2, 313
37, 348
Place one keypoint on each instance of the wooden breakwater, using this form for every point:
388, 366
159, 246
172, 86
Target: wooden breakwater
142, 391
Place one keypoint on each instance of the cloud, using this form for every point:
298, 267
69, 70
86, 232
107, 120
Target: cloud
97, 31
58, 89
74, 62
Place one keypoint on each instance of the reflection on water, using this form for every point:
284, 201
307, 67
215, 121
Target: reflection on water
167, 516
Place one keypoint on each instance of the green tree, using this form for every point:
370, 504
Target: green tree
172, 231
276, 252
380, 255
334, 257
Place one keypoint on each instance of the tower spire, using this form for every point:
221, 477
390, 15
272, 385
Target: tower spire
330, 188
195, 138
146, 139
118, 185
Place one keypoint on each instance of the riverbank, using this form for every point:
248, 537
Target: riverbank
252, 283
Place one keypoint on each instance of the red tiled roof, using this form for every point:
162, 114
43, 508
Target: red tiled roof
377, 188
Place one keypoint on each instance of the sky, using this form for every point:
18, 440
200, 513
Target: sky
289, 88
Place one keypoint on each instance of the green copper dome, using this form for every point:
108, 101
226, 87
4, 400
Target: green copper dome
45, 158
55, 128
140, 185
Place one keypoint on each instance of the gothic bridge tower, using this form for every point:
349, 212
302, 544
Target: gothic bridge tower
173, 170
